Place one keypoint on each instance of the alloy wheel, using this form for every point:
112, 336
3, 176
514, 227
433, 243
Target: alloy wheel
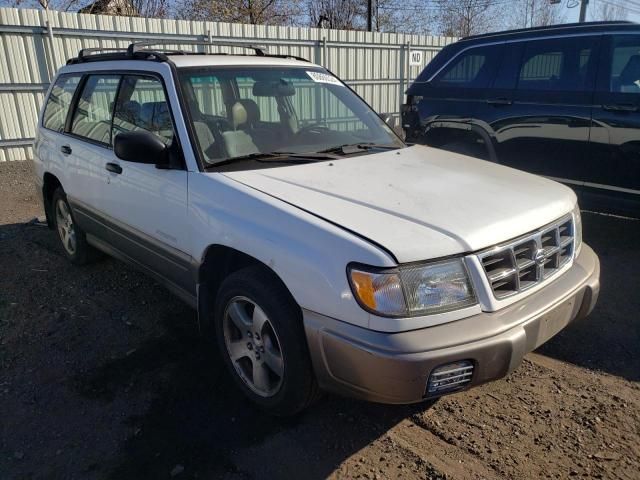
253, 346
66, 229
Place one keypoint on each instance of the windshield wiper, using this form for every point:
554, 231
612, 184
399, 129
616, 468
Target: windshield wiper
349, 148
276, 157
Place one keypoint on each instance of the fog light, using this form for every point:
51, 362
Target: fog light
449, 377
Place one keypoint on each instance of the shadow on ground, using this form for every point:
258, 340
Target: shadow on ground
107, 376
609, 339
198, 421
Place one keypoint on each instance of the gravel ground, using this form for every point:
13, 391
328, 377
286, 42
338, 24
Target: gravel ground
103, 376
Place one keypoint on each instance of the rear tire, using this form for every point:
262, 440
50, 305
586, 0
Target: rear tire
261, 337
72, 238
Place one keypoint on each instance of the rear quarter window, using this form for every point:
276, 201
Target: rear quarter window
559, 64
59, 101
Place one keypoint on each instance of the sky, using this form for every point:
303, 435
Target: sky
632, 7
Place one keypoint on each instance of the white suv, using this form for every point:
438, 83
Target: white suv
319, 250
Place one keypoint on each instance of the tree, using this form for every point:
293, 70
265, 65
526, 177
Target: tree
255, 12
533, 13
142, 8
341, 14
461, 18
403, 16
62, 5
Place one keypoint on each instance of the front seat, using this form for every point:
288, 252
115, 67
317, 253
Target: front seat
264, 138
629, 79
237, 142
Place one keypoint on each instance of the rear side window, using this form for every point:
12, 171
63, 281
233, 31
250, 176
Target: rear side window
92, 116
625, 64
55, 112
563, 64
473, 68
142, 106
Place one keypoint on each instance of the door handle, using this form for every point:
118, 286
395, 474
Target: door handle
621, 107
499, 101
66, 149
113, 168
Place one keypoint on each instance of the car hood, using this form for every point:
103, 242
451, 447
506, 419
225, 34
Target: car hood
418, 202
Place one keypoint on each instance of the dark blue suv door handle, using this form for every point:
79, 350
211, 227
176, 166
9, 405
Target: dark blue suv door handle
113, 168
621, 107
66, 149
499, 101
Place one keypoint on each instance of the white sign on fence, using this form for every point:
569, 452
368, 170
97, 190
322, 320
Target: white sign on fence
415, 58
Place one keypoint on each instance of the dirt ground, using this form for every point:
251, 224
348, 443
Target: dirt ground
103, 376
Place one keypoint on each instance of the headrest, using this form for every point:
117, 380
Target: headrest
631, 71
244, 112
273, 88
155, 115
238, 115
130, 111
253, 111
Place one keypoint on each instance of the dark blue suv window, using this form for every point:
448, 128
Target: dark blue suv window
559, 64
473, 68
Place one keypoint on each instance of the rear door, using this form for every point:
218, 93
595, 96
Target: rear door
545, 130
614, 181
87, 147
51, 141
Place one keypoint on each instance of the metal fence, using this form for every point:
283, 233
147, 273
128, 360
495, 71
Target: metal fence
35, 43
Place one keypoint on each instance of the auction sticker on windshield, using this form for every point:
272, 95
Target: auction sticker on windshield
320, 77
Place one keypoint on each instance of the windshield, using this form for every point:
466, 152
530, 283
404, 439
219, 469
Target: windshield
245, 112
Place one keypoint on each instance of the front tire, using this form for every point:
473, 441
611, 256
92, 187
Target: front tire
72, 238
261, 337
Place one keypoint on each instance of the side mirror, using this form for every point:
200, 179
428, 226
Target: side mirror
141, 147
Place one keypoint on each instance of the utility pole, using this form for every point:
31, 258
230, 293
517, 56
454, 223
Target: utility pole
369, 15
583, 10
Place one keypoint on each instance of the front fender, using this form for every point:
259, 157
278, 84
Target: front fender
309, 254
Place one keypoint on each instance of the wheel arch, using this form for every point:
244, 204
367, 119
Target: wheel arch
50, 183
218, 262
464, 128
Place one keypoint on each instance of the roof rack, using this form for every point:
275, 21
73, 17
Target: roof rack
139, 51
136, 47
559, 26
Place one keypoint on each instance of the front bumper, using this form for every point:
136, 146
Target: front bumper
395, 367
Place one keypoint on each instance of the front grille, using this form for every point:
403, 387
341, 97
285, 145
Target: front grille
529, 260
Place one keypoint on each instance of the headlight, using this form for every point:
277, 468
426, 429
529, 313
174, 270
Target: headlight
413, 290
577, 226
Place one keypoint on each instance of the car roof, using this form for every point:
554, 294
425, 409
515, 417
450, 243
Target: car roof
553, 30
185, 61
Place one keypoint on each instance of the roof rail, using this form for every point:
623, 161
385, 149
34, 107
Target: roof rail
558, 26
139, 51
136, 47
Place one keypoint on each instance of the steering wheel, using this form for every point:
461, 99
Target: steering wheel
222, 124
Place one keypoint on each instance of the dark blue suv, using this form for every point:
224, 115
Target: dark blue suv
561, 101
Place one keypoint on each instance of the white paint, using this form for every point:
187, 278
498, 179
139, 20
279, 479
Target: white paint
419, 202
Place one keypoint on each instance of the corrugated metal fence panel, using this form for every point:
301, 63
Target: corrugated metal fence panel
374, 64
